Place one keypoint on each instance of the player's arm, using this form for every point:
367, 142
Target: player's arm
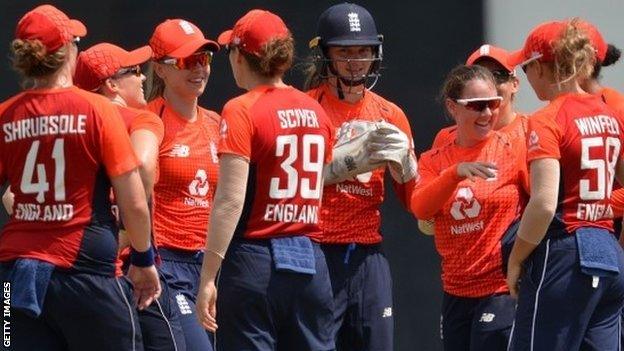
226, 211
121, 166
539, 212
146, 134
145, 144
433, 190
8, 199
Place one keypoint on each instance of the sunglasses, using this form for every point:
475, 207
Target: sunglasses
203, 58
501, 76
480, 104
135, 70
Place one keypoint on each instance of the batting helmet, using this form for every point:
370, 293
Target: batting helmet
347, 24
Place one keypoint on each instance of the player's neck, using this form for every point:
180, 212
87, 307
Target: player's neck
60, 79
505, 116
254, 81
569, 87
349, 94
592, 86
184, 106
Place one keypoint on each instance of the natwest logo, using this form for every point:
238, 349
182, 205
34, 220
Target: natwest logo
199, 185
465, 205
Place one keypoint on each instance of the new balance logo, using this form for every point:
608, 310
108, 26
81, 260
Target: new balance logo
387, 312
183, 305
354, 22
179, 150
487, 317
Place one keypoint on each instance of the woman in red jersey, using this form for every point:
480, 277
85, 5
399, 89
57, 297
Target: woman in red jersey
570, 264
116, 73
61, 151
188, 163
474, 189
346, 66
274, 288
509, 120
606, 55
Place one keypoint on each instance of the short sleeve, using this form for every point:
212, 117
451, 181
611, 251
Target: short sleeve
443, 136
116, 150
543, 137
236, 130
149, 121
400, 120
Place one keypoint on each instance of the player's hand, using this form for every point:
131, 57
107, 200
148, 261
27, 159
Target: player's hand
471, 170
206, 306
146, 284
514, 269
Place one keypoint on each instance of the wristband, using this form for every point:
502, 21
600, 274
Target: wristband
142, 259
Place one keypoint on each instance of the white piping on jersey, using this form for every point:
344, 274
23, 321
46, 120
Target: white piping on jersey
129, 312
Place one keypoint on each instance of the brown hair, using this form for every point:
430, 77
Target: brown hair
574, 54
457, 79
313, 70
154, 85
276, 58
31, 59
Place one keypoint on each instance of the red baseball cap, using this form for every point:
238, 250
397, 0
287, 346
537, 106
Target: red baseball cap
490, 51
252, 31
49, 25
102, 61
595, 38
539, 44
178, 38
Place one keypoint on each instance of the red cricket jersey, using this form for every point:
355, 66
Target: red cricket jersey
615, 100
58, 149
287, 138
189, 169
584, 134
470, 224
350, 212
136, 119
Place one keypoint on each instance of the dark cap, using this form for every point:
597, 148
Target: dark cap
347, 24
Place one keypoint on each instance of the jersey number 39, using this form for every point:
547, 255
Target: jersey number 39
309, 187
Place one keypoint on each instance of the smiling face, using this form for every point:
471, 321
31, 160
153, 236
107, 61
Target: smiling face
130, 89
474, 126
189, 82
351, 62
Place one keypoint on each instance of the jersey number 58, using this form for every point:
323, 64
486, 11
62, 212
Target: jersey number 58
604, 166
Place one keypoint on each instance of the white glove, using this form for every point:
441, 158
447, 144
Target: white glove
351, 152
388, 143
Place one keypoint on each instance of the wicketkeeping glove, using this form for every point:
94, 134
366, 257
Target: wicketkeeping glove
389, 143
351, 152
